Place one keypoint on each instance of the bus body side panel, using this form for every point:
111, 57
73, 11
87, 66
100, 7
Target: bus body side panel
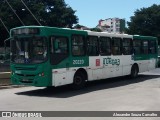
62, 76
95, 68
109, 66
31, 75
127, 63
63, 72
102, 67
146, 61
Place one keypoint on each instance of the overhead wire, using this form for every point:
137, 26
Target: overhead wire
31, 13
15, 13
4, 23
18, 16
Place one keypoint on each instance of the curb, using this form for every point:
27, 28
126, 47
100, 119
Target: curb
5, 81
10, 86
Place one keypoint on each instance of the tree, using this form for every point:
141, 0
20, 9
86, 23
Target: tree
96, 29
78, 26
55, 13
82, 27
145, 21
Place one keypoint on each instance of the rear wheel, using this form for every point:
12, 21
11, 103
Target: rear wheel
134, 71
78, 81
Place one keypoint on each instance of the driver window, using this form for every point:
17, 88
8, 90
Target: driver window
59, 45
59, 49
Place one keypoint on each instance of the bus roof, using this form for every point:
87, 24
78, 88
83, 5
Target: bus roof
78, 31
144, 37
109, 34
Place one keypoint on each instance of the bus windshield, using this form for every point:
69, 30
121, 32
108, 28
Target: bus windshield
28, 50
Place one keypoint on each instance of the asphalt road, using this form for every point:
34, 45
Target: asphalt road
116, 94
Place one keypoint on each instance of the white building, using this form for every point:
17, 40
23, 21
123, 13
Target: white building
112, 25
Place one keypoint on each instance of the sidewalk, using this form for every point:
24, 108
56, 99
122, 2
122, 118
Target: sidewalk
9, 86
152, 72
5, 80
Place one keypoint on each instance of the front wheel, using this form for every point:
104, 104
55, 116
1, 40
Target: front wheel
78, 81
134, 72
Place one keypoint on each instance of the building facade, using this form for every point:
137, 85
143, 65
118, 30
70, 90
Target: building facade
112, 25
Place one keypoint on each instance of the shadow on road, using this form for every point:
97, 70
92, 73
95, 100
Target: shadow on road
65, 91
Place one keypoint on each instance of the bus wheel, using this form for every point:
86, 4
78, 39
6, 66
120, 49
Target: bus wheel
78, 81
134, 71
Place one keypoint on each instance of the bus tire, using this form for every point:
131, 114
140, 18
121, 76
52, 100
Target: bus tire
78, 81
134, 71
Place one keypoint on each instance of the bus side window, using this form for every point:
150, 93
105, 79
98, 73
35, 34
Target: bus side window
126, 46
137, 47
59, 45
92, 48
145, 47
59, 49
105, 46
152, 47
78, 45
116, 46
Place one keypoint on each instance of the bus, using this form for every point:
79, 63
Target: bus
48, 56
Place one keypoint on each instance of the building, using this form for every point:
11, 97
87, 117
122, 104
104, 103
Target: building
112, 25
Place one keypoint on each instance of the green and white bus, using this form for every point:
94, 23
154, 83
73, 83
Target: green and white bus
50, 56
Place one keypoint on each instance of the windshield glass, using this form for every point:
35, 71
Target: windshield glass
28, 50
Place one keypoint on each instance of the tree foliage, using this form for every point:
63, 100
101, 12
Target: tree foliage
78, 26
146, 21
48, 12
96, 30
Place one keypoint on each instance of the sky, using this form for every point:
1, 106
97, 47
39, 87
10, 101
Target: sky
90, 12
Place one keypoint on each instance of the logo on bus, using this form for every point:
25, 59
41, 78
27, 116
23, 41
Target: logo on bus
97, 62
107, 61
